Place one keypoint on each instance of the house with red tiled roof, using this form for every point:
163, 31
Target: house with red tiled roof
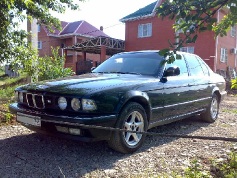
71, 34
145, 30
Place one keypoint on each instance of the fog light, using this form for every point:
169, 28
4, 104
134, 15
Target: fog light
62, 129
74, 131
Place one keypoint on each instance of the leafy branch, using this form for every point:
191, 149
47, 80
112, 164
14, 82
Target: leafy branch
193, 17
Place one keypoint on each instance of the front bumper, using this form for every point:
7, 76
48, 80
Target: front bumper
50, 122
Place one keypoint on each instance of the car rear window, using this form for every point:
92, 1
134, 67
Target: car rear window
194, 65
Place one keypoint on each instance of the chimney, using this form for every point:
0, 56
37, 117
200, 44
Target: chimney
101, 28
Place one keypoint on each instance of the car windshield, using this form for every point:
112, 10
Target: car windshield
139, 63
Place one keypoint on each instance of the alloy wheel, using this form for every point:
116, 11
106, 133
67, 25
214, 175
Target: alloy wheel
134, 122
214, 108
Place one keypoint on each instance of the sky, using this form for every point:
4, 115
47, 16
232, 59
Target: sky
106, 13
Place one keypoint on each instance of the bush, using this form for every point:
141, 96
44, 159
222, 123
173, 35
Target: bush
43, 68
52, 67
234, 84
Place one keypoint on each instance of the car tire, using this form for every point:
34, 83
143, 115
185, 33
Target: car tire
211, 114
132, 117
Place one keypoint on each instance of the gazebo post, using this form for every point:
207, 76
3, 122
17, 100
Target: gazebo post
65, 56
102, 53
84, 55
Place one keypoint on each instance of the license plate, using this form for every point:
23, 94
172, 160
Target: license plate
28, 119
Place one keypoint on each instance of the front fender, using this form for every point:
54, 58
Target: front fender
136, 96
221, 94
215, 89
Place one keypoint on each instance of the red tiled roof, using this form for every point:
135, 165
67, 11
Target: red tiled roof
55, 31
79, 27
87, 29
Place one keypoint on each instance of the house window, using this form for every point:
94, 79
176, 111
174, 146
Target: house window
39, 44
233, 31
38, 27
144, 30
189, 49
191, 26
224, 55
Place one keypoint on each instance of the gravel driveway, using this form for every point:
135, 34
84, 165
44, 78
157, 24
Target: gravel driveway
27, 154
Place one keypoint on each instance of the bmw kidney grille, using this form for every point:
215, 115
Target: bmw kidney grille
35, 100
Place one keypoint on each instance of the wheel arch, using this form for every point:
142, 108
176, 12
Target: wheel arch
141, 98
217, 92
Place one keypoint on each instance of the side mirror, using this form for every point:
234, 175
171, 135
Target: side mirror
172, 71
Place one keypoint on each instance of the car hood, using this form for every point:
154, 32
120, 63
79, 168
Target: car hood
87, 83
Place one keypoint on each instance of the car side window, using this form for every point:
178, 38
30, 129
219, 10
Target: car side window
181, 64
194, 65
204, 66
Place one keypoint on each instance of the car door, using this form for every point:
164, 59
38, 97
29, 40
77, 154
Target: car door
200, 88
176, 93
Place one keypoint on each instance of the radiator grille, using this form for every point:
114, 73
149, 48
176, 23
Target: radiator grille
35, 100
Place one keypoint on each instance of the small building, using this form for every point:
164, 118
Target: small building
72, 33
145, 30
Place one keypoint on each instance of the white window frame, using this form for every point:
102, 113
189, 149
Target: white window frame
188, 49
144, 30
181, 30
224, 55
233, 31
39, 44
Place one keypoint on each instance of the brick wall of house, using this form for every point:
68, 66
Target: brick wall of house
47, 43
158, 40
229, 42
206, 46
162, 31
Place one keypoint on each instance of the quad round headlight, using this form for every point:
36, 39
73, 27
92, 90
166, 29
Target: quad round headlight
75, 104
20, 95
88, 105
62, 103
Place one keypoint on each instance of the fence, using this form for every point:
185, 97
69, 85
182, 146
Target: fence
10, 72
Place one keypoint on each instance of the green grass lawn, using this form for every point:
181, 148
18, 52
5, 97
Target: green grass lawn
7, 87
8, 84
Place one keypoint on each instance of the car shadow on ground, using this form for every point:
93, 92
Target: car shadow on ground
36, 155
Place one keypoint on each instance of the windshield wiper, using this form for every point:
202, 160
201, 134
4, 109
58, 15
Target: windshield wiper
102, 72
135, 73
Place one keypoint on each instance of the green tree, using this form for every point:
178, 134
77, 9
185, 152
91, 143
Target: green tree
14, 12
48, 67
194, 17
